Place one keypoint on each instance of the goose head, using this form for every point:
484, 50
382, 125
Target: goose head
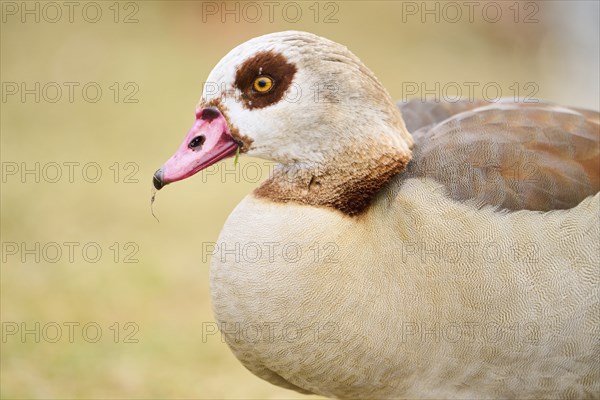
300, 100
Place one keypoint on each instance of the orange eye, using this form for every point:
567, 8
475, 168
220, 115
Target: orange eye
262, 83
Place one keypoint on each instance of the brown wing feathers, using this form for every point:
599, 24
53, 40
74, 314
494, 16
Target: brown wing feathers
514, 156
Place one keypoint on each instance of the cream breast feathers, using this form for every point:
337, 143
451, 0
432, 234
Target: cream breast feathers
461, 261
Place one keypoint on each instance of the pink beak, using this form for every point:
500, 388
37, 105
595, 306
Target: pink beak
207, 142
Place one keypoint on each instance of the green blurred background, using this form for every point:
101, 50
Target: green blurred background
150, 71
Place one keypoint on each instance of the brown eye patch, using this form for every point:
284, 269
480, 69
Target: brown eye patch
264, 63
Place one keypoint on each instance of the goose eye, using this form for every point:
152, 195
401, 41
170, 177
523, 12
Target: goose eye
262, 84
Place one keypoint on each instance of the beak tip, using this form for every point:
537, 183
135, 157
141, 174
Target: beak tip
157, 179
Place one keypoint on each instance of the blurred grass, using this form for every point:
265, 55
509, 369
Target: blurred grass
168, 54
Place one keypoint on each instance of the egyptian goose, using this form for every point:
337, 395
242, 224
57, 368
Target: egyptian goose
461, 261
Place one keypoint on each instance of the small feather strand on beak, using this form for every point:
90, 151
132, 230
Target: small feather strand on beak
237, 155
154, 190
